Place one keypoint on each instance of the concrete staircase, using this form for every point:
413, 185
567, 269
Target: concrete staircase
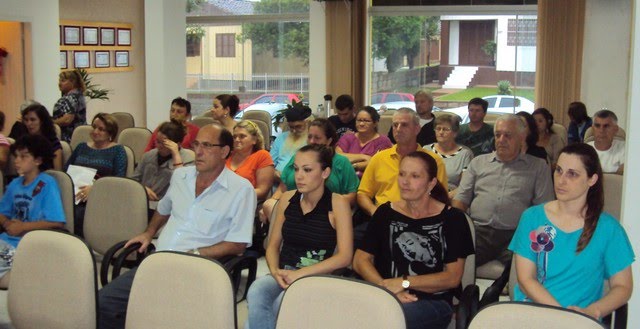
460, 77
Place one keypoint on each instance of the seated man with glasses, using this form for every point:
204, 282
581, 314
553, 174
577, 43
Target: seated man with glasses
208, 211
286, 145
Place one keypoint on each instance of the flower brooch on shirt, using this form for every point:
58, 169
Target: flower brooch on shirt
542, 243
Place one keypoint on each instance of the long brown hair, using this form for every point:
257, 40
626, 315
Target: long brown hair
595, 195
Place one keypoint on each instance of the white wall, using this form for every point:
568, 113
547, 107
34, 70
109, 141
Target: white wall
605, 62
454, 42
43, 16
317, 54
165, 53
508, 56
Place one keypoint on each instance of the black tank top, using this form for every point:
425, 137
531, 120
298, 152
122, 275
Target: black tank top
307, 239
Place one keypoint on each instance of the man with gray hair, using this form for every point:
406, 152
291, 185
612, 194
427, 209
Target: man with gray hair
424, 108
610, 150
497, 187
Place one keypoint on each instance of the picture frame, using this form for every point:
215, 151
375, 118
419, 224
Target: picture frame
102, 58
72, 35
64, 62
61, 35
81, 59
90, 36
107, 36
122, 58
124, 37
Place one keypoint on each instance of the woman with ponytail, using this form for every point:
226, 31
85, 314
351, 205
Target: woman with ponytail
566, 249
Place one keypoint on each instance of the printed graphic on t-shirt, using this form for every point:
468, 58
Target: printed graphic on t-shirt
542, 243
416, 252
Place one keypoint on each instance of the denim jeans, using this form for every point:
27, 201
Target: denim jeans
427, 314
263, 301
113, 300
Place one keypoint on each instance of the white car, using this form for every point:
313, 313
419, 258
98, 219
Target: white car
498, 104
272, 108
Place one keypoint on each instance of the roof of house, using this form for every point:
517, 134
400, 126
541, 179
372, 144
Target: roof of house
224, 8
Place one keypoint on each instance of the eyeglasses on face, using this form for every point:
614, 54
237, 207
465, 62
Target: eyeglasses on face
445, 129
205, 145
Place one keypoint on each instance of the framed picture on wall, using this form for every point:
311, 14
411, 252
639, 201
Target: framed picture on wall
124, 37
90, 36
122, 58
63, 59
107, 36
60, 34
72, 35
81, 59
102, 59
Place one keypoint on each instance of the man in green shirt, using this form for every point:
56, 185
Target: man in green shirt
477, 135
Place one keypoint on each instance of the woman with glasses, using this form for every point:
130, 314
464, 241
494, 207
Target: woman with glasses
361, 146
101, 153
456, 157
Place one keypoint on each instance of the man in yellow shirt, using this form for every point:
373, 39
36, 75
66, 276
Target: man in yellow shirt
379, 183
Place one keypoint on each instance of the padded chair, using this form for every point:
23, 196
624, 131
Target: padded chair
258, 115
58, 130
559, 129
190, 157
137, 139
389, 112
131, 161
66, 151
203, 121
324, 301
116, 210
266, 133
125, 120
467, 302
203, 286
613, 194
53, 282
386, 121
67, 194
620, 135
516, 315
490, 118
80, 135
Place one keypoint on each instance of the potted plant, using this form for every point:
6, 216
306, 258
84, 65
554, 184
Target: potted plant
92, 90
490, 48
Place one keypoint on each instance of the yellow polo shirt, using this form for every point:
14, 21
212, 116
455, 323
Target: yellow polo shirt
380, 179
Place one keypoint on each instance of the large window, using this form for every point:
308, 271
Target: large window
456, 57
257, 50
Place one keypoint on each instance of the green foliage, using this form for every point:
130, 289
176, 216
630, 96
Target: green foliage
194, 5
195, 31
469, 93
283, 39
490, 48
504, 87
92, 90
397, 36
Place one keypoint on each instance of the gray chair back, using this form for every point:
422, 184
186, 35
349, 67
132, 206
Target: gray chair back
135, 138
67, 195
53, 282
125, 120
204, 287
80, 135
514, 315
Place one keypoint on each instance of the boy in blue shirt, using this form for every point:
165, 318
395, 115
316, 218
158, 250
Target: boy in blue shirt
32, 201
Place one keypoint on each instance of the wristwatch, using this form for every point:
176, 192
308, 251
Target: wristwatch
195, 251
405, 282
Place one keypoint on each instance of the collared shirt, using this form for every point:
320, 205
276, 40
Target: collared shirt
380, 179
224, 211
498, 192
157, 176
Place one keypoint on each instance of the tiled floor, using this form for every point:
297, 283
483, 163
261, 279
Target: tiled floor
5, 322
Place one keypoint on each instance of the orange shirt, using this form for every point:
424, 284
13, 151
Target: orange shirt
250, 165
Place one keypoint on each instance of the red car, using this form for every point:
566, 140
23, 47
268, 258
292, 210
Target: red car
271, 98
391, 97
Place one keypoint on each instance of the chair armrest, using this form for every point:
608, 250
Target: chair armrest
468, 306
492, 294
117, 256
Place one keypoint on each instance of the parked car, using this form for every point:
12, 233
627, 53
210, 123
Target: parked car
498, 104
392, 101
271, 98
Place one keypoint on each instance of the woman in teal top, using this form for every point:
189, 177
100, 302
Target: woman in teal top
343, 179
566, 249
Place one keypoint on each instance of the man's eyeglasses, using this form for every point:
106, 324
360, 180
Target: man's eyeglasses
205, 145
297, 127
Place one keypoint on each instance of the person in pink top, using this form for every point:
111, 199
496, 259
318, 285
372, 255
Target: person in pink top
180, 111
361, 146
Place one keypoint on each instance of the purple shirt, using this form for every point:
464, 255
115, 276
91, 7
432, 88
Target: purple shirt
349, 143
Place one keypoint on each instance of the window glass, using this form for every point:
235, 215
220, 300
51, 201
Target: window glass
252, 49
455, 57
